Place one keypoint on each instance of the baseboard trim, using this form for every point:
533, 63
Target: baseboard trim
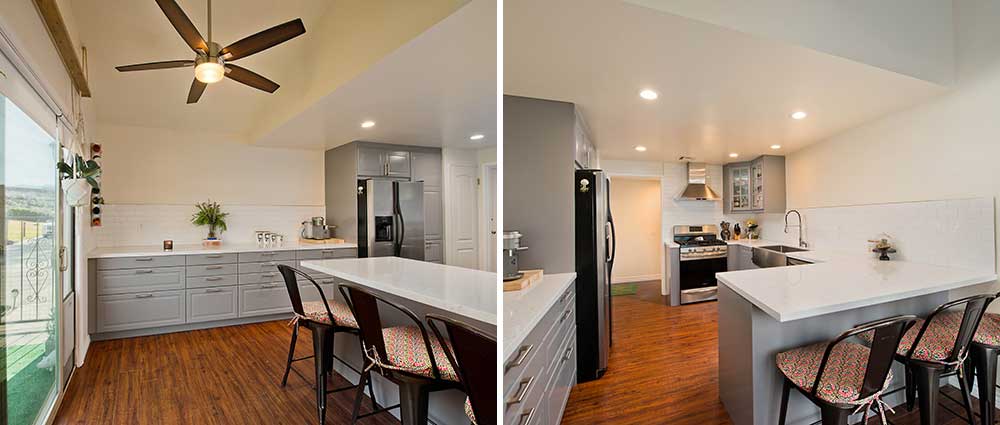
633, 279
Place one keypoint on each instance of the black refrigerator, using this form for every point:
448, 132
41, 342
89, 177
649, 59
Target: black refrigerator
595, 257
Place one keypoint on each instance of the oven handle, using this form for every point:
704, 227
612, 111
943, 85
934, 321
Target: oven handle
714, 257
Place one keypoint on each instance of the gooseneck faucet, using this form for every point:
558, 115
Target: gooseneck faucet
802, 243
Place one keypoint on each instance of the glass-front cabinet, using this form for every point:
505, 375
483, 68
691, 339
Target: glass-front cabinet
756, 186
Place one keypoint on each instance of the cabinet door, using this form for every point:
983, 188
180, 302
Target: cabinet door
433, 251
265, 298
757, 186
371, 162
398, 164
209, 304
433, 216
427, 168
740, 190
139, 311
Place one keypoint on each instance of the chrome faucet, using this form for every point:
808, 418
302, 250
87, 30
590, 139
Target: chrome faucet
802, 243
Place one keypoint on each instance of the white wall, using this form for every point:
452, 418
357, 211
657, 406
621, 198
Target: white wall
635, 205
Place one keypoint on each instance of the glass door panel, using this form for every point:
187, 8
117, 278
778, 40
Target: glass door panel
29, 303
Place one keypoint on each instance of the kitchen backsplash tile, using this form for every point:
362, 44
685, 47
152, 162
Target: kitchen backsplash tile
128, 224
957, 232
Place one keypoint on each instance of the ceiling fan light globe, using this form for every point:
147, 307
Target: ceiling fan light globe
209, 72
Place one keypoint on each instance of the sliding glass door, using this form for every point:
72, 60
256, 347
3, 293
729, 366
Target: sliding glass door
29, 283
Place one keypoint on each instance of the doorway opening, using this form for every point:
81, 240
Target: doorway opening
636, 206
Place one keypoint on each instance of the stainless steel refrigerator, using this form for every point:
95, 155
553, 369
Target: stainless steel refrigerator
595, 257
390, 218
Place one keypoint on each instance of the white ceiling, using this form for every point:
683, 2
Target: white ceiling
720, 90
122, 32
436, 90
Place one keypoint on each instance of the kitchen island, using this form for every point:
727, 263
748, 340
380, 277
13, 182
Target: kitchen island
766, 311
464, 294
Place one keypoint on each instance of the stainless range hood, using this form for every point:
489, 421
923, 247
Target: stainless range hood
697, 188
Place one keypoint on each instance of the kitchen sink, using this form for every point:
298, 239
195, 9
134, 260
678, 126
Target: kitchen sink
782, 248
772, 255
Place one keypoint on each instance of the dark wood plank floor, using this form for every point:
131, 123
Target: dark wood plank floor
226, 375
663, 368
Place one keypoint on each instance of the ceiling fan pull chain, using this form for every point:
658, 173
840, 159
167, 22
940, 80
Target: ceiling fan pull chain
210, 52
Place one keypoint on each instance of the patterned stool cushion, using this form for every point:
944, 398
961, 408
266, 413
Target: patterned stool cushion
989, 330
468, 411
404, 345
844, 374
341, 313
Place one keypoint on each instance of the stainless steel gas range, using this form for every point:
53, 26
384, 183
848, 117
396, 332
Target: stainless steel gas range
702, 255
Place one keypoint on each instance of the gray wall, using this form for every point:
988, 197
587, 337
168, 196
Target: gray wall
341, 168
538, 181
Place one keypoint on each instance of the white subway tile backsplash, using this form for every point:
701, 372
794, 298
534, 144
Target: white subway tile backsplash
128, 224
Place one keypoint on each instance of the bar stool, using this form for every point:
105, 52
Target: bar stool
324, 318
982, 364
404, 355
843, 377
473, 356
936, 347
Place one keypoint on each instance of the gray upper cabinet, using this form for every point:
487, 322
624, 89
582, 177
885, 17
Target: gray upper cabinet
585, 152
427, 168
380, 162
756, 186
433, 216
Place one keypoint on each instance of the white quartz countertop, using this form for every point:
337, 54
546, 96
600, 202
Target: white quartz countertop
525, 308
839, 281
464, 292
195, 249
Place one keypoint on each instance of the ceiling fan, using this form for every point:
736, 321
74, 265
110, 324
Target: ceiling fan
212, 62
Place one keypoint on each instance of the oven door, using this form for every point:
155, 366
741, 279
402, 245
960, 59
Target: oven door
697, 279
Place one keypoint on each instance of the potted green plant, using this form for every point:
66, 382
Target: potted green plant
78, 181
210, 214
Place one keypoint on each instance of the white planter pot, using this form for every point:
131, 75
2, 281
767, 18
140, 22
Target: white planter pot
77, 192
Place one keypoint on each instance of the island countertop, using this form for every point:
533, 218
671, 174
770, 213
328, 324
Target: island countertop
524, 309
464, 292
838, 282
197, 249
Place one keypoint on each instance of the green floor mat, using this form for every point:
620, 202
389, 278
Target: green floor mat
624, 289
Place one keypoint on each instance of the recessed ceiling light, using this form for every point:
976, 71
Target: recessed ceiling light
640, 148
775, 146
734, 155
648, 94
799, 115
476, 137
368, 124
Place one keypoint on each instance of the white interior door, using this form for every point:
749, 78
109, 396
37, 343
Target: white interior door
488, 228
462, 219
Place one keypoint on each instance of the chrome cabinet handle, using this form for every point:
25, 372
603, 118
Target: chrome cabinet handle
327, 251
144, 295
144, 259
213, 279
147, 271
519, 360
569, 352
213, 268
214, 256
526, 417
268, 254
267, 275
269, 285
522, 390
565, 296
213, 290
565, 314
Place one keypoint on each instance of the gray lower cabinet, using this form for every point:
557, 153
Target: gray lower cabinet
309, 293
111, 282
140, 262
434, 251
326, 254
267, 267
141, 310
538, 376
209, 304
263, 298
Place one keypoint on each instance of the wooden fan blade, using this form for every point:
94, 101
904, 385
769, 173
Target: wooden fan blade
264, 40
155, 65
183, 25
250, 78
197, 88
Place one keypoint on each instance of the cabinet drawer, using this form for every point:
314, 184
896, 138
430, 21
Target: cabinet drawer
211, 304
264, 298
197, 260
533, 343
139, 280
257, 257
524, 404
210, 281
562, 381
138, 311
322, 254
268, 267
309, 293
565, 323
139, 262
252, 278
211, 270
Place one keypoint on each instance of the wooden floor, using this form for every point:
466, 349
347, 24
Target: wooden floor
226, 375
663, 368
